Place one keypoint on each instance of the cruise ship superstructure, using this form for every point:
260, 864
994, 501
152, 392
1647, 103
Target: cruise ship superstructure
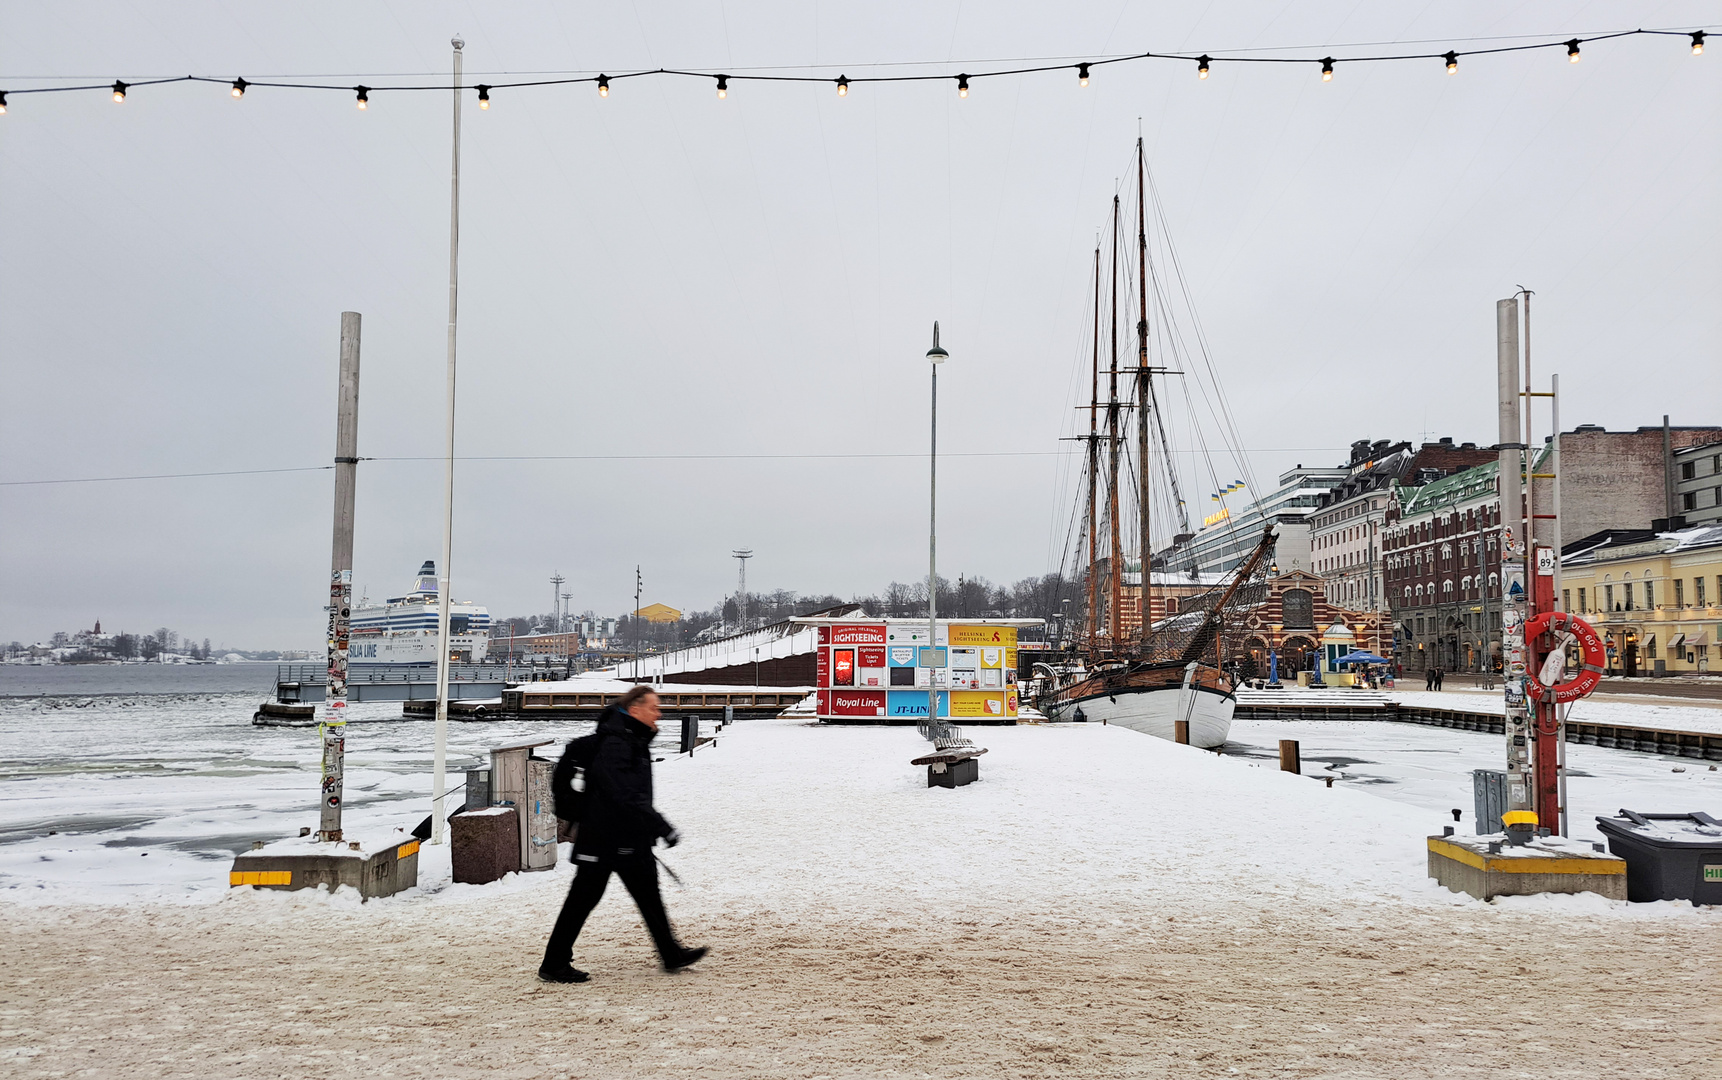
403, 629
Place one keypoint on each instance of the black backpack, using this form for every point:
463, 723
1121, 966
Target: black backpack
576, 761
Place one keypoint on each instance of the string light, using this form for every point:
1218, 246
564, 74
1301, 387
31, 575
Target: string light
483, 96
2, 103
1084, 69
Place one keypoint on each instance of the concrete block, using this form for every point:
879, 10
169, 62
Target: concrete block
1550, 864
305, 863
486, 844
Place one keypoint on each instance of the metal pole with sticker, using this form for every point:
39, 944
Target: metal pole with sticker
332, 723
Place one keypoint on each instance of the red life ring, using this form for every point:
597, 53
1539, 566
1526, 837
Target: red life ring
1591, 657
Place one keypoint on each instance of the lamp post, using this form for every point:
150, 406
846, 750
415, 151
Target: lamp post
935, 357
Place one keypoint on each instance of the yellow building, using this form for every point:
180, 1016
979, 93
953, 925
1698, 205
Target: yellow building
1655, 597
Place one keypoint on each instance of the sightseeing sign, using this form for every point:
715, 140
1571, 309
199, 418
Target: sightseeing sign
886, 669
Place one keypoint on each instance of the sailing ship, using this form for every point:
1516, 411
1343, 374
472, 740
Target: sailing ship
1167, 670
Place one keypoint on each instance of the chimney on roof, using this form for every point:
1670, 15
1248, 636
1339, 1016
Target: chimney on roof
1468, 446
1446, 440
1585, 429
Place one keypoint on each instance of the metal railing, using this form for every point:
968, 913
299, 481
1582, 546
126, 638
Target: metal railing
318, 674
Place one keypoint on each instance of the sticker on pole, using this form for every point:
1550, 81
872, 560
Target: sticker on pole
1545, 562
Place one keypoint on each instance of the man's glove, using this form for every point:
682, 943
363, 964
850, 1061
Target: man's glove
672, 838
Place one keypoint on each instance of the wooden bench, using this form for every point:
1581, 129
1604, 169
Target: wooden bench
951, 766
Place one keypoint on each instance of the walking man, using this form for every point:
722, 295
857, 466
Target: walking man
1429, 678
618, 826
1440, 673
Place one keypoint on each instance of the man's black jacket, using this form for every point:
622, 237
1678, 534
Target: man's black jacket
618, 817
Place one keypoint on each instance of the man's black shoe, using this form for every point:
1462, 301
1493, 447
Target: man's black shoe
677, 961
562, 975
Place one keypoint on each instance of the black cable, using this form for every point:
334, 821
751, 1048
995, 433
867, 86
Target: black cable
1073, 65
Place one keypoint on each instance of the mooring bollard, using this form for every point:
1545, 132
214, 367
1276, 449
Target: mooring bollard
1290, 759
690, 733
1181, 731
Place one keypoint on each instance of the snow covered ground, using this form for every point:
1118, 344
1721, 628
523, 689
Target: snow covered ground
1101, 903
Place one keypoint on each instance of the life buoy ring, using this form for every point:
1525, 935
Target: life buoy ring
1591, 657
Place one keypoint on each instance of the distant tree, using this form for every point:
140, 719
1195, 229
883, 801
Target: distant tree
59, 640
125, 646
204, 654
149, 647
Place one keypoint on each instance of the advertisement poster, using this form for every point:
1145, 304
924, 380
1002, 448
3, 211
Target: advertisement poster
842, 667
859, 703
932, 657
991, 677
977, 703
913, 634
822, 667
1010, 703
914, 703
824, 704
992, 658
968, 659
983, 635
825, 635
858, 634
902, 656
871, 657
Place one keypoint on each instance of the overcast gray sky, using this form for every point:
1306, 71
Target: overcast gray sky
664, 273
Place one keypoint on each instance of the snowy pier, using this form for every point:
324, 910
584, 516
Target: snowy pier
1103, 904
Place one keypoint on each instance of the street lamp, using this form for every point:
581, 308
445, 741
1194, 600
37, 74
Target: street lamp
935, 357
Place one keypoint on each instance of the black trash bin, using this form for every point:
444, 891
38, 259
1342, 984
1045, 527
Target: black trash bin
1668, 856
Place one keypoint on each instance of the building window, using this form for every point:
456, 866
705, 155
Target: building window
1689, 500
1581, 601
1650, 647
1297, 609
1650, 596
1679, 592
1698, 591
1627, 589
1608, 597
1688, 470
1566, 599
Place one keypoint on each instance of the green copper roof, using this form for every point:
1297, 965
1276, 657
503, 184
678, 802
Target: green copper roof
1471, 483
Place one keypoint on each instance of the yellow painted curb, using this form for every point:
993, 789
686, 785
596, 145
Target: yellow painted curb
1536, 864
237, 878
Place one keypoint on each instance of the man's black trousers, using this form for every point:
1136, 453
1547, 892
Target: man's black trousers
639, 872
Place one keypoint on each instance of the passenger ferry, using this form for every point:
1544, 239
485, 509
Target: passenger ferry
403, 629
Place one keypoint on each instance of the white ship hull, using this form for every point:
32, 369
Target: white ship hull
403, 629
1156, 710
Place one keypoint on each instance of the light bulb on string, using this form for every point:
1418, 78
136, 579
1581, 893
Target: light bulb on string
364, 96
1082, 74
1327, 69
962, 86
483, 96
119, 90
1202, 66
1452, 59
1573, 51
603, 86
723, 86
2, 103
842, 86
1697, 43
239, 86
